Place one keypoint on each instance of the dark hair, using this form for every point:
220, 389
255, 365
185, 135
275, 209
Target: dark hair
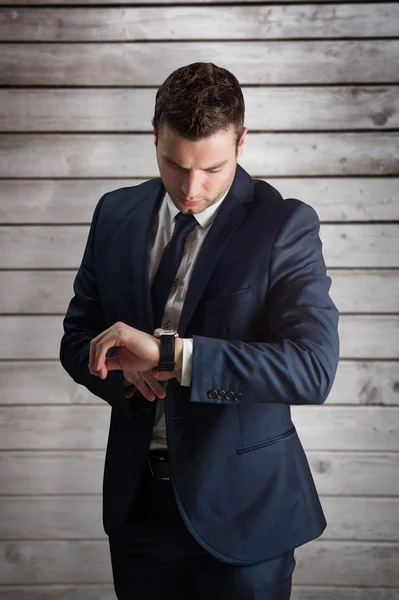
198, 100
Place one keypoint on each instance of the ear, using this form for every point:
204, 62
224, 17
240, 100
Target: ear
241, 143
154, 131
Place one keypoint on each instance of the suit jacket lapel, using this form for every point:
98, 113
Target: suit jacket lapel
230, 216
144, 218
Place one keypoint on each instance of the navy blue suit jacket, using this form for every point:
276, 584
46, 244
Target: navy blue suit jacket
265, 337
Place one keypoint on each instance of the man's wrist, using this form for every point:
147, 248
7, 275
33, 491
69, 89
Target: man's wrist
179, 353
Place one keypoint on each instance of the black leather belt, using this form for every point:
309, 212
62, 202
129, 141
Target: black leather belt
158, 465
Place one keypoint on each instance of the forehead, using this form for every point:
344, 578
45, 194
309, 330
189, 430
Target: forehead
217, 147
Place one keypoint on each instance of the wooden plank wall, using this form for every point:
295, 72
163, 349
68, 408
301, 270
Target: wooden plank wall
78, 84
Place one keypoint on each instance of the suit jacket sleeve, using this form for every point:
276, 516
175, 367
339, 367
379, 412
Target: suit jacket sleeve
298, 361
83, 321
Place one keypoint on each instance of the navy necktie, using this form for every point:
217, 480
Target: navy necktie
169, 265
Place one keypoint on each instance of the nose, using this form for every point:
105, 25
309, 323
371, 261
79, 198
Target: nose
191, 185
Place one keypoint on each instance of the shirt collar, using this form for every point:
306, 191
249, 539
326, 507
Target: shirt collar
204, 218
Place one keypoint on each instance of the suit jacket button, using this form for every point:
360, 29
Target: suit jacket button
238, 397
212, 394
230, 395
221, 394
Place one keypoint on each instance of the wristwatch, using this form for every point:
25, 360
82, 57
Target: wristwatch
167, 357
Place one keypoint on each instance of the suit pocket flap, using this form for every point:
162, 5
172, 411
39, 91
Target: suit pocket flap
234, 299
264, 443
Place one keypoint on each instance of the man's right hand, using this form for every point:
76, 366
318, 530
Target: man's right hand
146, 383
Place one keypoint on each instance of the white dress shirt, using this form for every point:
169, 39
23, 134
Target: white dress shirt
161, 234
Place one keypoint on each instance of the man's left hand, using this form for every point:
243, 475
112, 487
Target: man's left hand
137, 350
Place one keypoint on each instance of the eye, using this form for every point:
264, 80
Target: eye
214, 171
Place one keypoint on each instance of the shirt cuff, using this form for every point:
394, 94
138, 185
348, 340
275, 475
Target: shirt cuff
187, 362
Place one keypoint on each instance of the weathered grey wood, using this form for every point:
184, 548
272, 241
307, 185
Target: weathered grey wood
367, 383
127, 64
62, 247
46, 382
345, 199
360, 519
144, 2
31, 337
27, 247
191, 23
55, 562
363, 473
106, 592
42, 247
84, 427
121, 155
60, 472
92, 592
354, 563
350, 563
288, 108
365, 291
36, 291
49, 292
67, 428
360, 245
89, 592
362, 337
80, 517
327, 593
80, 472
54, 517
354, 551
72, 201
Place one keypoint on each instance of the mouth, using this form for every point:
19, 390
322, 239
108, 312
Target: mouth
189, 202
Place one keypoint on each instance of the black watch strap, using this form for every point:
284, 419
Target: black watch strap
167, 353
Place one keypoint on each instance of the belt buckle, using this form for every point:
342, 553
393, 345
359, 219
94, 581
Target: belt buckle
149, 464
160, 459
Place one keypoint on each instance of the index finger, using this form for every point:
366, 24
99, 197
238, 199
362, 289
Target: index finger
110, 340
93, 347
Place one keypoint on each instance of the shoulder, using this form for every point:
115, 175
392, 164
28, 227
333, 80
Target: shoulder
271, 202
125, 199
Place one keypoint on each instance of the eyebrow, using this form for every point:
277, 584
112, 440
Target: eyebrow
216, 166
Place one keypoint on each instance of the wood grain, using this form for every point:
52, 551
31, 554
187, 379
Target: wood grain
80, 517
82, 427
80, 472
331, 593
252, 62
361, 337
274, 154
320, 83
106, 592
191, 23
356, 563
288, 108
61, 247
338, 199
45, 382
90, 3
49, 292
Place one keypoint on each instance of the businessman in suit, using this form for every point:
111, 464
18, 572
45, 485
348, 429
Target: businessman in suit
201, 313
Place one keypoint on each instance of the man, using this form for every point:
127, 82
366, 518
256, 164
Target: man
207, 490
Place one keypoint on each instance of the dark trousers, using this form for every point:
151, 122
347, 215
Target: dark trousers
154, 557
